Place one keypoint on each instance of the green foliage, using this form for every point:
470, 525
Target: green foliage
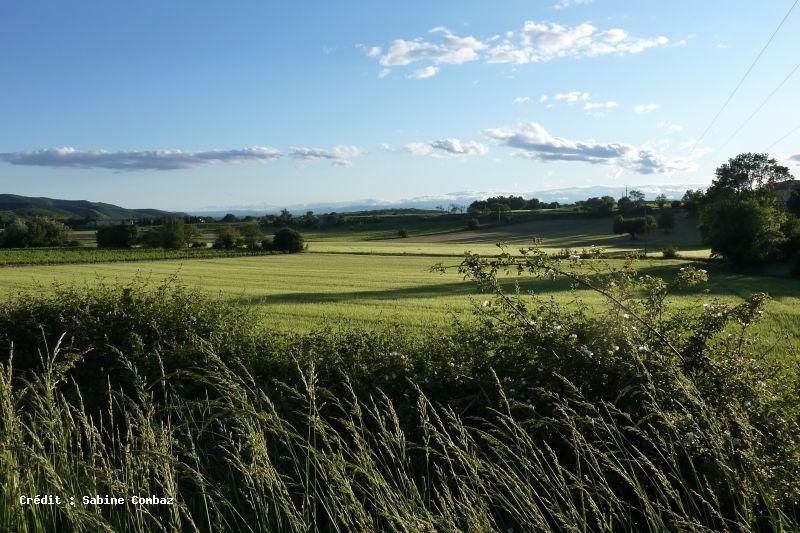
666, 220
228, 238
250, 234
534, 416
309, 220
172, 234
662, 200
403, 233
670, 252
634, 225
746, 231
25, 232
599, 206
473, 223
287, 240
230, 217
123, 235
747, 175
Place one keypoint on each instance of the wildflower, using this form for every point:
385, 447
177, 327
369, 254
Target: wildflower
690, 436
747, 403
550, 271
573, 337
394, 353
586, 351
626, 316
736, 441
486, 303
556, 328
644, 348
574, 257
702, 271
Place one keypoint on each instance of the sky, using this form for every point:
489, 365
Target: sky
201, 105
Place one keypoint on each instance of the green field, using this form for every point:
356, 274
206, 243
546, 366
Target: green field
303, 291
367, 275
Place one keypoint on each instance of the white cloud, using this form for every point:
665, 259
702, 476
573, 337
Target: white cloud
540, 42
600, 105
535, 42
643, 109
572, 97
534, 142
424, 73
522, 100
795, 159
339, 156
447, 148
564, 4
68, 157
543, 98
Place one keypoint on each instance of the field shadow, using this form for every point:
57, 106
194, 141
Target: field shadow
722, 283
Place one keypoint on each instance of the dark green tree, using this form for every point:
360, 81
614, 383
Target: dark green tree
228, 238
123, 235
287, 240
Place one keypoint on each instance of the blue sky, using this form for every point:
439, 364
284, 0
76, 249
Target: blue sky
193, 105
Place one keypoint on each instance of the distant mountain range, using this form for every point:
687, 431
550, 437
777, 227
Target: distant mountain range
63, 209
566, 195
25, 205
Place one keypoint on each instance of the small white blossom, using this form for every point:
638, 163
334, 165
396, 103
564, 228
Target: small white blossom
486, 303
556, 328
644, 348
574, 257
626, 316
586, 351
394, 353
690, 436
573, 337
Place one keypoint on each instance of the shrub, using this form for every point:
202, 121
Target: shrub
403, 233
287, 240
266, 245
228, 238
24, 232
670, 252
123, 235
473, 223
534, 416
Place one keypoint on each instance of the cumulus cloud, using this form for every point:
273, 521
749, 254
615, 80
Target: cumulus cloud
424, 73
588, 106
68, 157
795, 159
447, 148
643, 109
572, 97
339, 156
532, 141
522, 100
534, 42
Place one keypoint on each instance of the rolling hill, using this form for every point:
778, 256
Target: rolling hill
65, 209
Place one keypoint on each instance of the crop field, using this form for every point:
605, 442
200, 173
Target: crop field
304, 291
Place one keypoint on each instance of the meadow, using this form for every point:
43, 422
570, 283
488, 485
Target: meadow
355, 387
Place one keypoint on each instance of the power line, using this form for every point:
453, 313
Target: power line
796, 128
760, 107
746, 74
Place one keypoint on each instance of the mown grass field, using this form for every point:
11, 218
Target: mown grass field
304, 291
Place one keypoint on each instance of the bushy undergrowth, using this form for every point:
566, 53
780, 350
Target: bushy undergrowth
534, 416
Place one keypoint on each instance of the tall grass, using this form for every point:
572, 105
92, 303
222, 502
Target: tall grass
500, 425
